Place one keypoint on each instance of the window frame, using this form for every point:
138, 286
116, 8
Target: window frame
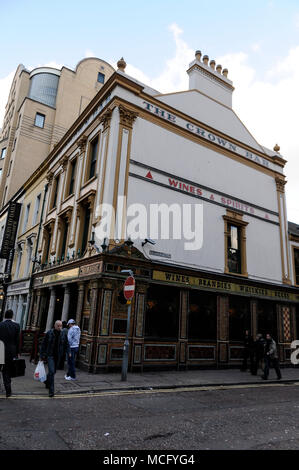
35, 121
102, 75
3, 150
295, 248
235, 219
91, 160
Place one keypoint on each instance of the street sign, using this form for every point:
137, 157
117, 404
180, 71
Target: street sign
129, 288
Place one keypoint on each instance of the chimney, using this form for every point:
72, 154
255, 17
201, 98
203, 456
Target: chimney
210, 79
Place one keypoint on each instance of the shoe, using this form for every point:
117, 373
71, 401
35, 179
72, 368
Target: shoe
67, 377
51, 395
278, 378
8, 395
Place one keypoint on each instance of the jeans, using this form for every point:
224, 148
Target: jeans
275, 363
51, 373
71, 362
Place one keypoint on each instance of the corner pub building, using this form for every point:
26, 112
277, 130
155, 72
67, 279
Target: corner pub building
191, 307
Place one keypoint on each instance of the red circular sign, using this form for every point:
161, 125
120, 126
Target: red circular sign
129, 288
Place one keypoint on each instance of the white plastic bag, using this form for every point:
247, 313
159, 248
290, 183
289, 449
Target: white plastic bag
40, 372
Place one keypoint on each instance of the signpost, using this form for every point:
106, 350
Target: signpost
129, 290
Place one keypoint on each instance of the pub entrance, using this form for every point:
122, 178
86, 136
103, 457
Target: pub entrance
267, 318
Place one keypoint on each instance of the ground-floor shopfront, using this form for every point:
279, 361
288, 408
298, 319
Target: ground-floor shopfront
180, 319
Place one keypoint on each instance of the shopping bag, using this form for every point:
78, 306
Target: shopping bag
40, 372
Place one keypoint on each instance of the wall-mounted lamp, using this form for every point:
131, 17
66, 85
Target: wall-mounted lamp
148, 240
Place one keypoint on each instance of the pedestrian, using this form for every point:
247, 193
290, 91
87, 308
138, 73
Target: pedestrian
64, 333
247, 351
271, 357
10, 335
73, 337
52, 350
258, 353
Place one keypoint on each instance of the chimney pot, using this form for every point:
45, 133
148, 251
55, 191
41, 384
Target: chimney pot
205, 59
198, 55
219, 68
225, 72
121, 64
212, 64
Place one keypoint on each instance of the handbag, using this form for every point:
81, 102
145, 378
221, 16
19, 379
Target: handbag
40, 372
17, 368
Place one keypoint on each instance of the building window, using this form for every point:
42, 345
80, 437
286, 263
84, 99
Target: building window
26, 216
18, 261
29, 256
72, 177
3, 152
239, 317
36, 209
101, 77
39, 120
235, 243
91, 170
202, 316
9, 168
63, 251
14, 144
162, 314
0, 172
85, 230
55, 192
296, 265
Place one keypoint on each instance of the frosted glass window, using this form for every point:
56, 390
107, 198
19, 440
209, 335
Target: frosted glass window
43, 88
39, 120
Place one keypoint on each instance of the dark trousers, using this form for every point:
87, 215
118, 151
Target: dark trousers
247, 354
52, 365
275, 363
6, 371
71, 362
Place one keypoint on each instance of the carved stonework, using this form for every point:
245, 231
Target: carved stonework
106, 118
82, 143
68, 216
64, 162
49, 177
280, 184
126, 117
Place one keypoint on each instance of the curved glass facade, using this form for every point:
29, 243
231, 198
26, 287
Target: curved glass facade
43, 88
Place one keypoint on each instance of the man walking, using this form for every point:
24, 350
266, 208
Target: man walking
52, 350
259, 346
271, 356
10, 335
73, 337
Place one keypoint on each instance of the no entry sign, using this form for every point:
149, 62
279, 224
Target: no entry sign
129, 288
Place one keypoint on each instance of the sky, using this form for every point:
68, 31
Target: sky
258, 41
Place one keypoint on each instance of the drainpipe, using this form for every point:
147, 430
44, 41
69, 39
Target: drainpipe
28, 305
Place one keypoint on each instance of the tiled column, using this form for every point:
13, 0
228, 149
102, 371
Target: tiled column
81, 291
222, 328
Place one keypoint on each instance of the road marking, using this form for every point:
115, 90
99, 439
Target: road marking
150, 392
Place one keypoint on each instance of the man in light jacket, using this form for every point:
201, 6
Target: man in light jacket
73, 337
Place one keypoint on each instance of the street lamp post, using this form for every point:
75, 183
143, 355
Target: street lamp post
129, 288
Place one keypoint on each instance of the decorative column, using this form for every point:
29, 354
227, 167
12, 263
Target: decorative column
284, 244
126, 120
223, 328
254, 322
183, 336
80, 301
66, 302
82, 149
138, 328
51, 309
93, 309
105, 121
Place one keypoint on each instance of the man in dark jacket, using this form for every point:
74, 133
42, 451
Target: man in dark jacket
10, 335
271, 356
258, 355
247, 351
52, 350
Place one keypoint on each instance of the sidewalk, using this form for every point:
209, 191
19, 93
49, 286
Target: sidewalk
89, 383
